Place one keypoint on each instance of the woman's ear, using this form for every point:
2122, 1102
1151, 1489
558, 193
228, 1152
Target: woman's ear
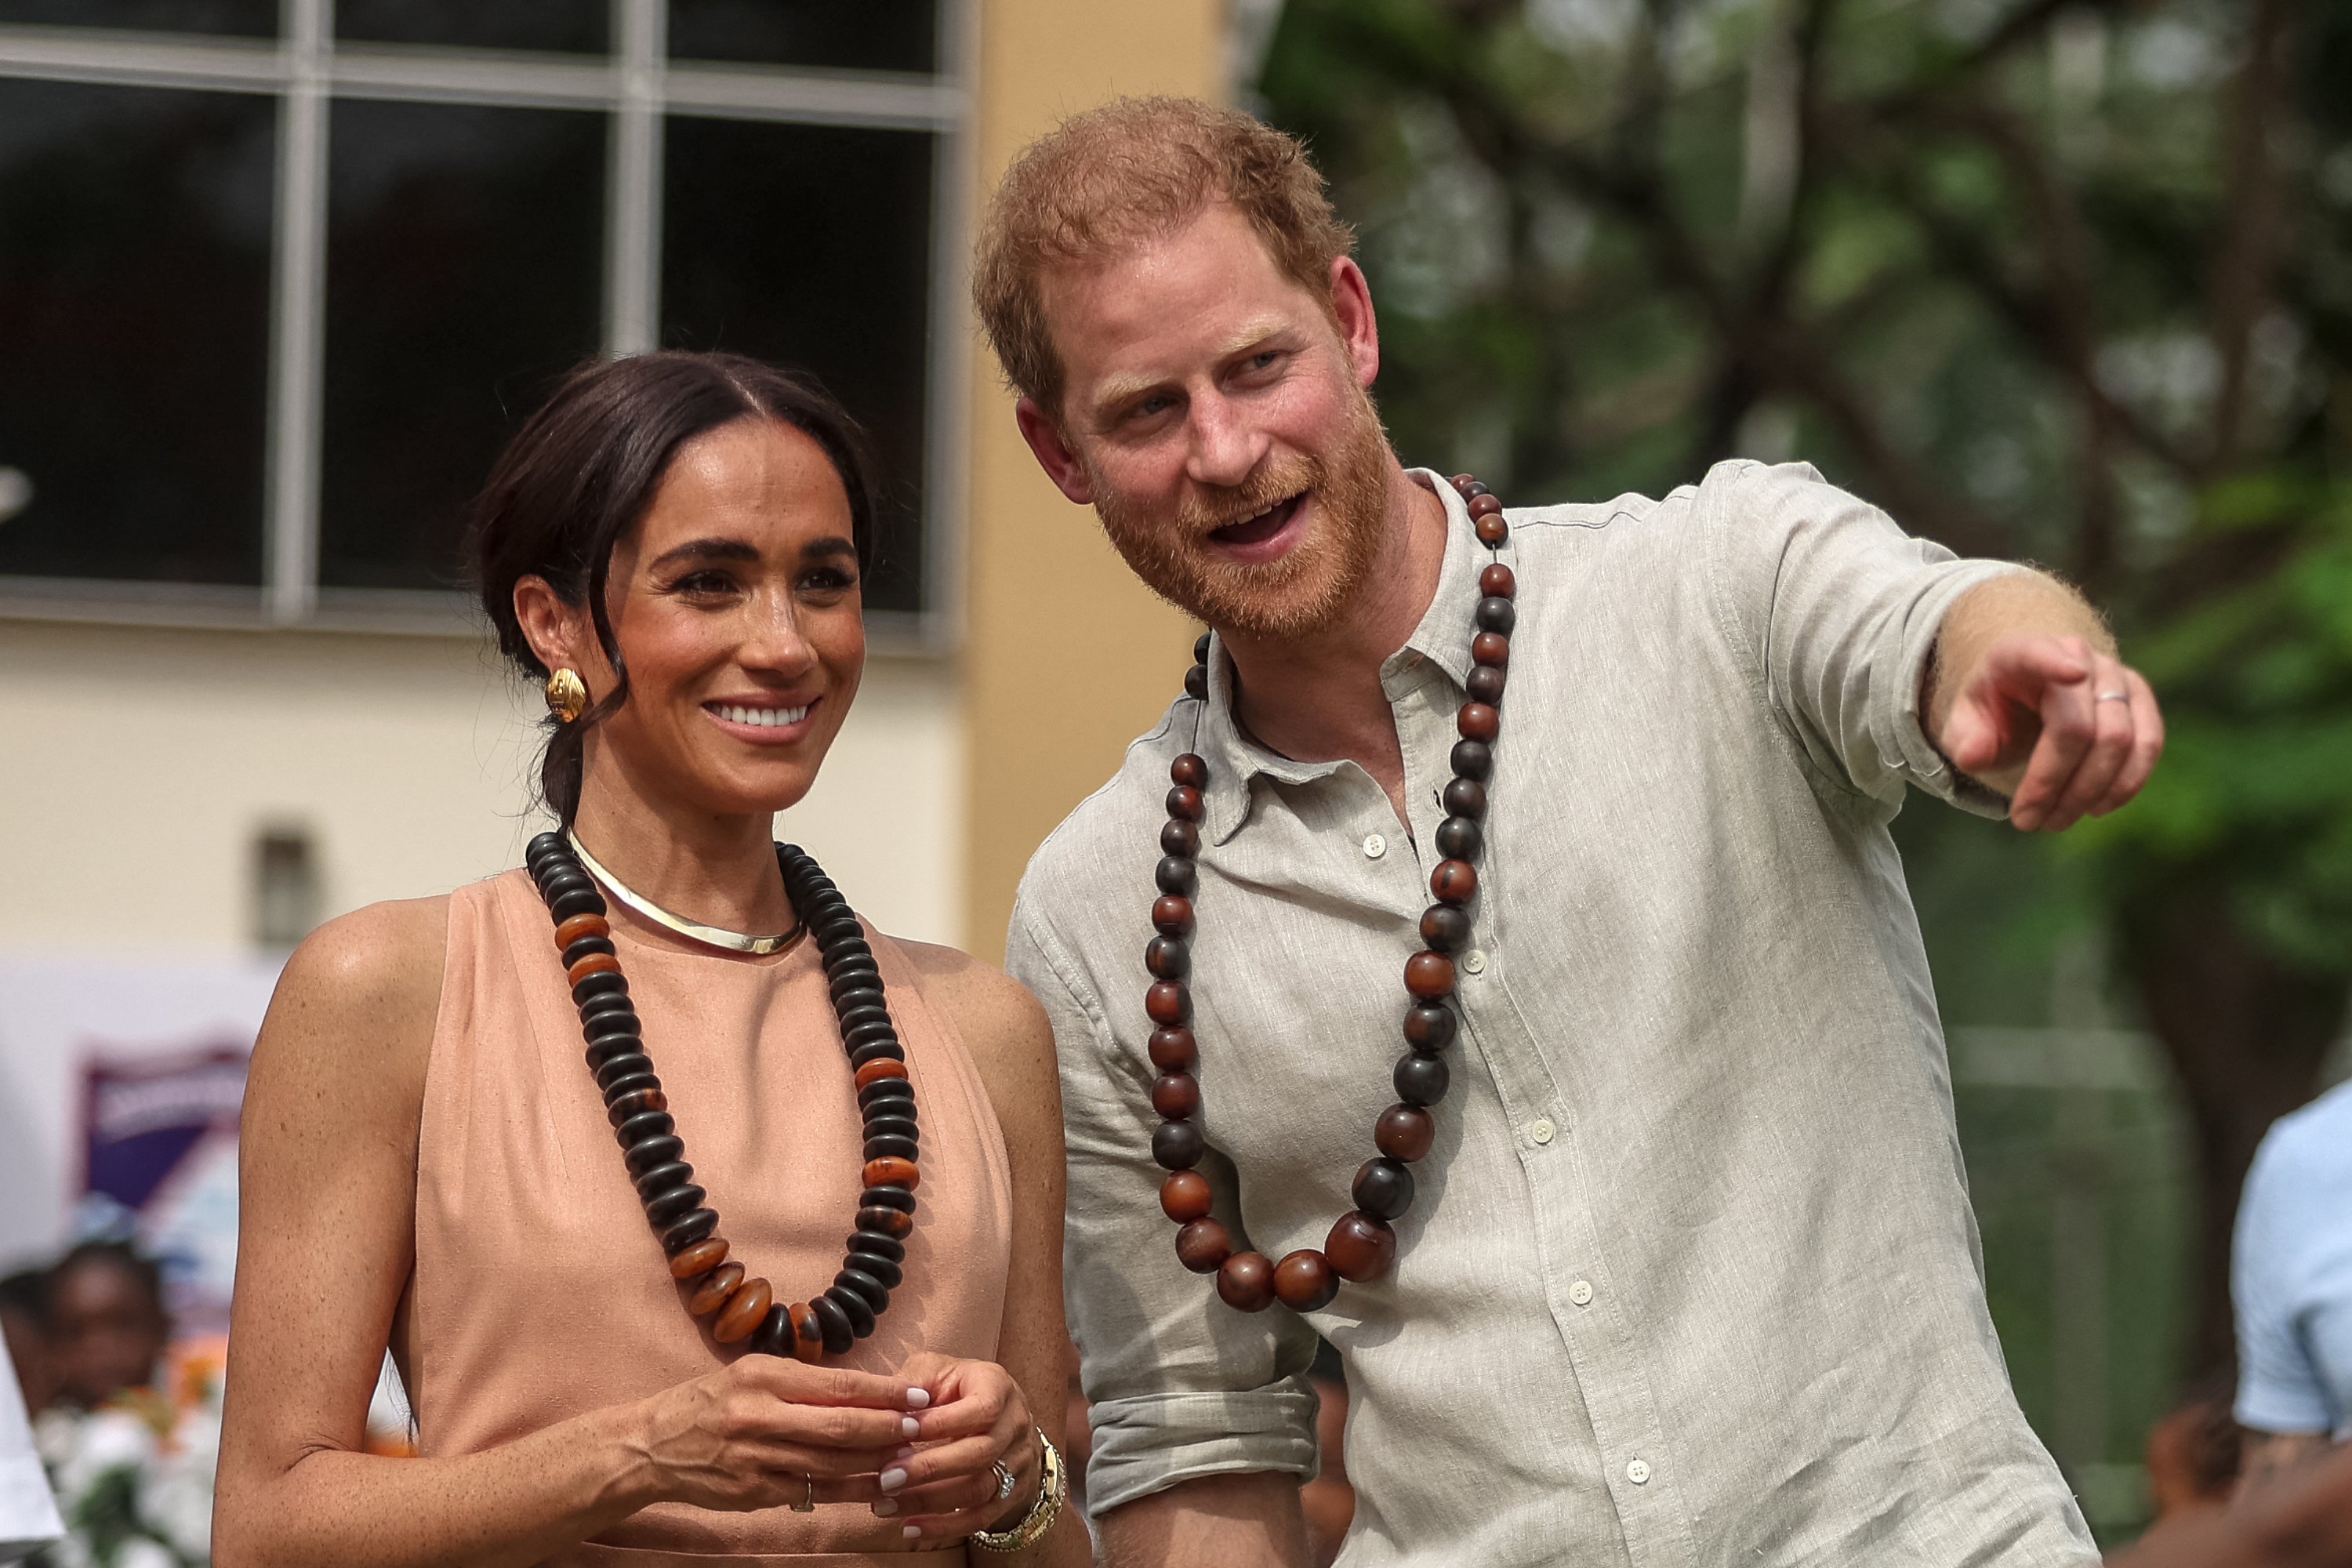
558, 634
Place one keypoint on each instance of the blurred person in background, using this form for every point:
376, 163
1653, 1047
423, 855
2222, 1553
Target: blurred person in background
108, 1327
1690, 1276
2193, 1453
24, 1319
29, 1512
673, 545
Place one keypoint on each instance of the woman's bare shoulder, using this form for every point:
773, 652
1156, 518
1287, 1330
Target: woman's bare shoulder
360, 996
1005, 1029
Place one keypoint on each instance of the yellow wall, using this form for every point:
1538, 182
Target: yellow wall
1066, 657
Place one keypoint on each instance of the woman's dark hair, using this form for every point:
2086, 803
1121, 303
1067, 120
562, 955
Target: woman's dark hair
580, 475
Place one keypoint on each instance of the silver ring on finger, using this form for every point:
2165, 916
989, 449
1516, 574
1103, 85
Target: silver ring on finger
1004, 1481
808, 1498
2113, 697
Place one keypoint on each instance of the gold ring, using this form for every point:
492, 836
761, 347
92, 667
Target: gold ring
808, 1502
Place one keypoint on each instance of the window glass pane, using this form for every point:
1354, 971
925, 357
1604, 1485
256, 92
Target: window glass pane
810, 246
134, 289
577, 25
464, 267
875, 35
253, 19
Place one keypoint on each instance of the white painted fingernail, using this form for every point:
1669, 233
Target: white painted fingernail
916, 1398
910, 1427
892, 1480
887, 1506
912, 1532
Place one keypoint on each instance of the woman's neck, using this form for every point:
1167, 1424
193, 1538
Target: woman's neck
716, 870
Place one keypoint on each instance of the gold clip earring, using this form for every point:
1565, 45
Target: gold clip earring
567, 695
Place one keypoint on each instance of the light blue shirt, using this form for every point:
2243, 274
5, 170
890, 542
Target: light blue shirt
2291, 1274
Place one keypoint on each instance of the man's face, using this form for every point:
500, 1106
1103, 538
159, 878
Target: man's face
1219, 422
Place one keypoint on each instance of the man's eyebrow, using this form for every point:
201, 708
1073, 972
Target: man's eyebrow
707, 550
1121, 389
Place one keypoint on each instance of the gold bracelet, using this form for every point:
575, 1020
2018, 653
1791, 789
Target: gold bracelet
1052, 1491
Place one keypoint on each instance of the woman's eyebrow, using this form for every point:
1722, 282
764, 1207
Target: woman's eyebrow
708, 549
831, 546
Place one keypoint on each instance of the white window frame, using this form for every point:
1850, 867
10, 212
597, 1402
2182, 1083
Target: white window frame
305, 68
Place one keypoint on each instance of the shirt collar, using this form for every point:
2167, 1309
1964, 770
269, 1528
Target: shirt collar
1441, 639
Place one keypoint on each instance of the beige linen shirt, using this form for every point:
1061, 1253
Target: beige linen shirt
1691, 1277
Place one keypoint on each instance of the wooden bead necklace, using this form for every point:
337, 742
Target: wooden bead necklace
831, 1322
1362, 1246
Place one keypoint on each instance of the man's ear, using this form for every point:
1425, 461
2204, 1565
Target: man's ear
1351, 311
1053, 454
558, 632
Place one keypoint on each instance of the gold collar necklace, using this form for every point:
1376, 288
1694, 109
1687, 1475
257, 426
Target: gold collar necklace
710, 936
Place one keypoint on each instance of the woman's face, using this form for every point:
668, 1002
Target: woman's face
737, 609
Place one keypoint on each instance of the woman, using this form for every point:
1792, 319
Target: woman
673, 544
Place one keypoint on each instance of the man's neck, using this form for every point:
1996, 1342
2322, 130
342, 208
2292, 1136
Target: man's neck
1319, 699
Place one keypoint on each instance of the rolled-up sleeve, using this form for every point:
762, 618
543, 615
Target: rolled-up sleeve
1180, 1386
1838, 610
2282, 1240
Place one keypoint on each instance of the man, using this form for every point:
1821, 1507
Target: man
2291, 1274
1689, 1273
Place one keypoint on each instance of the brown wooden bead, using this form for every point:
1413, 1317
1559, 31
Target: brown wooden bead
886, 1221
1184, 1197
1305, 1281
712, 1293
1404, 1132
1203, 1243
1497, 581
1490, 647
1174, 1050
1478, 722
1184, 802
1175, 1095
1485, 505
595, 963
1246, 1282
742, 1312
877, 1071
701, 1256
1189, 770
1485, 683
1493, 531
1172, 916
1167, 958
1167, 1005
808, 1336
1359, 1248
1180, 837
1445, 928
892, 1171
1453, 882
1429, 975
578, 926
1462, 483
635, 1101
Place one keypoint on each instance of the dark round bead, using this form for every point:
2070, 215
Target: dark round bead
1178, 1145
562, 879
865, 976
874, 1031
859, 998
1196, 683
1204, 1245
1404, 1132
884, 1049
874, 1244
1466, 797
886, 1147
586, 945
858, 1017
877, 1294
1485, 504
884, 1272
661, 1178
894, 1123
1474, 489
1445, 928
851, 1305
1184, 802
883, 1089
1303, 1281
636, 1082
1495, 581
576, 901
1167, 1005
642, 1126
1172, 916
1490, 648
1178, 875
1453, 882
1184, 1197
1485, 685
775, 1334
834, 1324
626, 1065
1496, 615
644, 1156
1473, 759
1419, 1080
1189, 770
1459, 838
1178, 836
596, 1009
1167, 958
605, 1047
686, 1230
1383, 1187
1478, 722
1429, 1028
1245, 1281
1174, 1050
1175, 1095
666, 1207
1429, 975
1462, 483
885, 1222
544, 845
888, 1197
1200, 649
1359, 1248
611, 983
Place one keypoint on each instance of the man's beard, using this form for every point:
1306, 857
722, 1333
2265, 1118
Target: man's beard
1302, 592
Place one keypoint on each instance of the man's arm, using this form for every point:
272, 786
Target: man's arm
2270, 1458
2303, 1520
2026, 696
1238, 1521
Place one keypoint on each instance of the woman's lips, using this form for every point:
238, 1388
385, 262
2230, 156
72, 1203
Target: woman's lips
762, 723
1261, 537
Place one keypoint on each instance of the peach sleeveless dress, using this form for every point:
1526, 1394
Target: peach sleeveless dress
540, 1292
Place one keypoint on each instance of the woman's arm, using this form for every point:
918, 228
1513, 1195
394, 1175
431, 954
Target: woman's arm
328, 1198
1006, 1031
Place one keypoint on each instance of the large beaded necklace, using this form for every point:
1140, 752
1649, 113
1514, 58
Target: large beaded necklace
1362, 1246
827, 1323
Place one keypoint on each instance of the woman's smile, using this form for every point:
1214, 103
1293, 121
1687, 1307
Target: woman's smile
761, 722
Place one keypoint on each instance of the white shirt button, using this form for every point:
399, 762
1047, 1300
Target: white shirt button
1638, 1472
1542, 1130
1475, 960
1581, 1292
1375, 846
